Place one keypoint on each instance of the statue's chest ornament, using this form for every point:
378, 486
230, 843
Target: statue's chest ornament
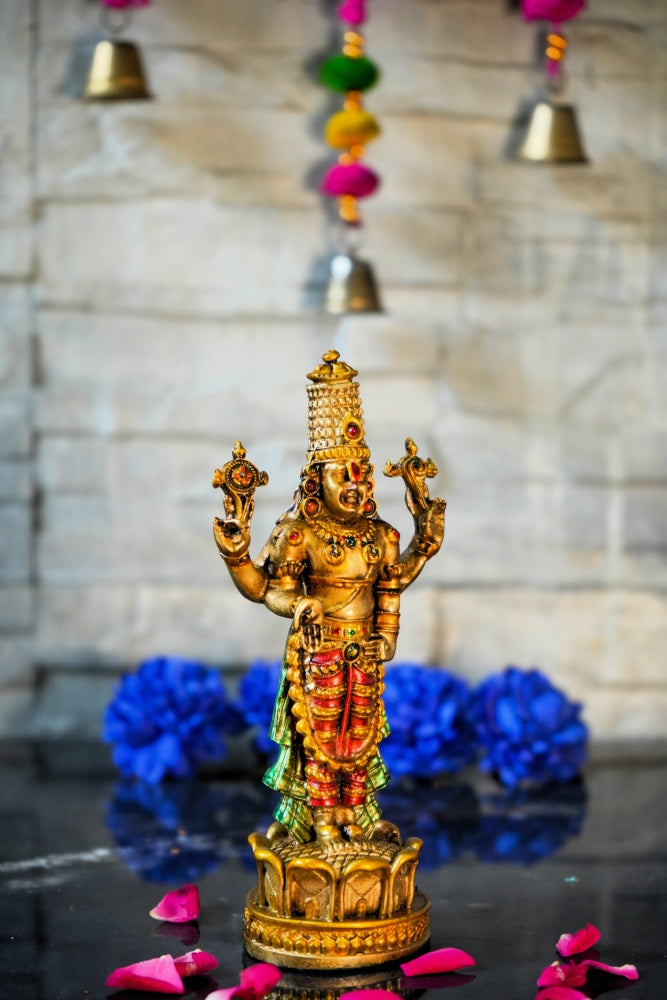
341, 537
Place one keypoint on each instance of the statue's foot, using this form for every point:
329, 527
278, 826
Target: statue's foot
328, 833
327, 830
353, 831
384, 830
346, 820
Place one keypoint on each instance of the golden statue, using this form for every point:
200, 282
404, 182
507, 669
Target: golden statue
336, 885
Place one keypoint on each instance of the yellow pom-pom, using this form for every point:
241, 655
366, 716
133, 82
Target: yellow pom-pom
351, 128
348, 209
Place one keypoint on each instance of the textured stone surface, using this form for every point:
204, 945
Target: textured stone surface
161, 269
14, 543
16, 609
16, 236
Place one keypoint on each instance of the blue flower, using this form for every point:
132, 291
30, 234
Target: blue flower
168, 718
444, 818
168, 833
175, 832
522, 826
427, 709
528, 729
257, 694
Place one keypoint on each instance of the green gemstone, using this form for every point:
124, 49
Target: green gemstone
341, 73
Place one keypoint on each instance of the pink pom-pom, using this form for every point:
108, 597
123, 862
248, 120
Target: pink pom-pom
551, 10
120, 4
352, 11
350, 178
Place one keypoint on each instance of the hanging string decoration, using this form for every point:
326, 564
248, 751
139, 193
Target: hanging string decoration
351, 74
555, 11
552, 132
116, 71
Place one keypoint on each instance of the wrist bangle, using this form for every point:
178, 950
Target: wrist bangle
236, 560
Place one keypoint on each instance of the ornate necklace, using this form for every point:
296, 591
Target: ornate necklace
343, 534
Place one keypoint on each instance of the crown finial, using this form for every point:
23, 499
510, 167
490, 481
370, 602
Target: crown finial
332, 370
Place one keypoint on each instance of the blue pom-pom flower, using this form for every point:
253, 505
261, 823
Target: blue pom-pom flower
530, 732
524, 825
168, 718
257, 694
168, 833
431, 733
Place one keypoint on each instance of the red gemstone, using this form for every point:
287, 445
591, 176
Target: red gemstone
353, 430
293, 536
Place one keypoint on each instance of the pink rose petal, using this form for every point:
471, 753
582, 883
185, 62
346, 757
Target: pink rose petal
369, 995
187, 933
258, 980
178, 906
573, 944
441, 960
195, 963
438, 981
628, 971
561, 993
562, 975
156, 975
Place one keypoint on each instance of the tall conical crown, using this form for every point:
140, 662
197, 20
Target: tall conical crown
335, 416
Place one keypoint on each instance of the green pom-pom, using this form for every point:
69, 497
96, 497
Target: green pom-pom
340, 72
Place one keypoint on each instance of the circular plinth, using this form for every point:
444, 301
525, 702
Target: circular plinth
341, 944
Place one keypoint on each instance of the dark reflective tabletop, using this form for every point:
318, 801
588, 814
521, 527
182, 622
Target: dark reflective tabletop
85, 856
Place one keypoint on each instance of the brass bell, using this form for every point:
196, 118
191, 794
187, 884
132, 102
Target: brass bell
352, 287
116, 73
552, 135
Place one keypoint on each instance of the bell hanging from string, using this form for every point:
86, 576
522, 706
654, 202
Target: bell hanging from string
551, 132
351, 287
552, 135
116, 70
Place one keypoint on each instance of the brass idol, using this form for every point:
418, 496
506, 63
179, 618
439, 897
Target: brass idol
336, 883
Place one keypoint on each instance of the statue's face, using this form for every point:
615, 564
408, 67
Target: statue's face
344, 488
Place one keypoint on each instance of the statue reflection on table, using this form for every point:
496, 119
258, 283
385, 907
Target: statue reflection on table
336, 885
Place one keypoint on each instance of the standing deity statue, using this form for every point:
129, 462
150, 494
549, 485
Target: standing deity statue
336, 885
336, 570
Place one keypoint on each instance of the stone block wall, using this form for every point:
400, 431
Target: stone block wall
161, 269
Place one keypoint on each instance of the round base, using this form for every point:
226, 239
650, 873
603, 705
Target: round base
341, 944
